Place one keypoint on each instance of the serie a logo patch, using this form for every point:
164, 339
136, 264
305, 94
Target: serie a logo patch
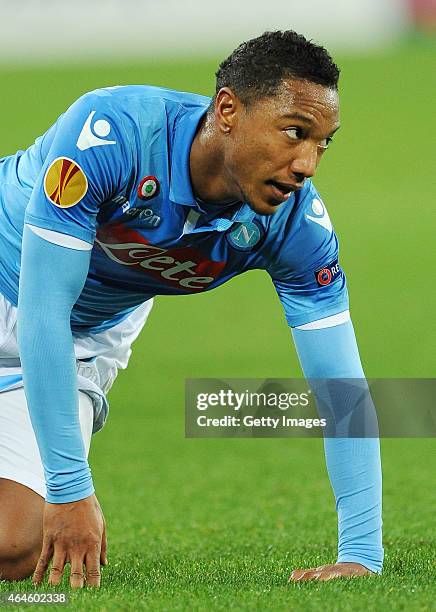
65, 183
327, 275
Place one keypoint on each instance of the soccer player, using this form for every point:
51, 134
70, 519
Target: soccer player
140, 191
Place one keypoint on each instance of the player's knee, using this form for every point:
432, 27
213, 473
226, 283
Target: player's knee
17, 560
21, 512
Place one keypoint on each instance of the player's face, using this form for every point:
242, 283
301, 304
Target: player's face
273, 145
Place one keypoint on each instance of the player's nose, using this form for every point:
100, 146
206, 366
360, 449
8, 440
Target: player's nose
305, 162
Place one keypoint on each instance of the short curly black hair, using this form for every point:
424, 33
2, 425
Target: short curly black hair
256, 68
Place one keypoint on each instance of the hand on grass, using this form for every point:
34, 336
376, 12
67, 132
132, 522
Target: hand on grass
329, 572
73, 533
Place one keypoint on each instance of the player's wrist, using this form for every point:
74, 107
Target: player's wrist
70, 492
374, 565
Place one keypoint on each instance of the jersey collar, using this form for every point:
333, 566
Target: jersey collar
195, 224
180, 181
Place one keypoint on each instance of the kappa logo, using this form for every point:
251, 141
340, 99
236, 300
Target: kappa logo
94, 135
322, 217
65, 183
245, 236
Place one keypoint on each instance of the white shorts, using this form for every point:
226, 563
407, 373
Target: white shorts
19, 454
99, 357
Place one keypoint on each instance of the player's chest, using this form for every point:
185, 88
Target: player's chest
148, 233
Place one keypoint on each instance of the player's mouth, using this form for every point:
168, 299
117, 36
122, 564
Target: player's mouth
281, 191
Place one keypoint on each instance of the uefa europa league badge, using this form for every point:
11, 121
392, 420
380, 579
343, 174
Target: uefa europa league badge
148, 187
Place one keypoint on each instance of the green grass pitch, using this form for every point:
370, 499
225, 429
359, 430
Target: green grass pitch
219, 524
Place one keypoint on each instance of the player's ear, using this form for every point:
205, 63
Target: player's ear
227, 106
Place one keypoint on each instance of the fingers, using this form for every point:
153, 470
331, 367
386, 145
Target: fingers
74, 532
301, 574
92, 563
331, 575
57, 567
330, 572
42, 565
296, 575
103, 553
77, 576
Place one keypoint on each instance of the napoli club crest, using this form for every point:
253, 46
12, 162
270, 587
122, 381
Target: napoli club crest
245, 236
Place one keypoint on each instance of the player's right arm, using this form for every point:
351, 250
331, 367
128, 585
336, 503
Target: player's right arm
52, 278
82, 169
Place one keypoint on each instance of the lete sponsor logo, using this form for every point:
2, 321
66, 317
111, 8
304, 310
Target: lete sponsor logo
328, 274
184, 268
65, 183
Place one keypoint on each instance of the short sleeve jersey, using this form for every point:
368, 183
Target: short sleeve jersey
114, 171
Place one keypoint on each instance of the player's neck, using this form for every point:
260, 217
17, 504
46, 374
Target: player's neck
206, 165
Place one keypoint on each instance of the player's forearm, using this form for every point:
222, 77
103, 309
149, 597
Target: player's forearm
353, 463
354, 469
51, 390
51, 279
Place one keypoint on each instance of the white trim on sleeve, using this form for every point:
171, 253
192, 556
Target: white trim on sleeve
332, 321
71, 242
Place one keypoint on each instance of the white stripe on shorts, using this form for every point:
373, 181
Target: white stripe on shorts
19, 454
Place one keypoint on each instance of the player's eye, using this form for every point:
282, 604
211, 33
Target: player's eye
294, 133
325, 142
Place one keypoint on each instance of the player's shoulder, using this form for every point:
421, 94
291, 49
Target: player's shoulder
304, 212
133, 100
151, 92
301, 229
136, 111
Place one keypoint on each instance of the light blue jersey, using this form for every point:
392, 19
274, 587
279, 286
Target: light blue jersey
114, 171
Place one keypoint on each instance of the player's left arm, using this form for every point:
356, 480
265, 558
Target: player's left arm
327, 350
312, 288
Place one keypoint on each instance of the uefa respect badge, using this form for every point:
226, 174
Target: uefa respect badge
148, 188
65, 183
328, 274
